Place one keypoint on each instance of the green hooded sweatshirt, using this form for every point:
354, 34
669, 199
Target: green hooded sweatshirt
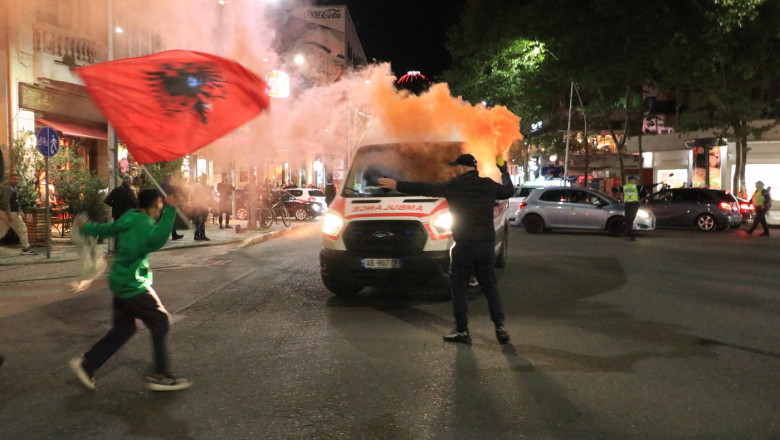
138, 236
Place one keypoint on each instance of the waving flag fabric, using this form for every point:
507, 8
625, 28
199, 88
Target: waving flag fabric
169, 104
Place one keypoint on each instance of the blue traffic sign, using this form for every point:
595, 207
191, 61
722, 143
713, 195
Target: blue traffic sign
48, 141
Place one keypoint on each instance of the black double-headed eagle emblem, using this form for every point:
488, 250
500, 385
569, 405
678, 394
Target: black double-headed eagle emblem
187, 87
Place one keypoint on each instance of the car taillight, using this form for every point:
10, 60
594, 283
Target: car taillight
726, 206
311, 199
746, 207
521, 205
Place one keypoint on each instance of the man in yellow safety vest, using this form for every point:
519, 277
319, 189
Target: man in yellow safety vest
761, 201
631, 202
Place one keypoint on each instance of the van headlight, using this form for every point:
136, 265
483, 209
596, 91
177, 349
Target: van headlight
643, 214
332, 225
442, 224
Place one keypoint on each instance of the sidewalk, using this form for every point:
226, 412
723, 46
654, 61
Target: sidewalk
15, 267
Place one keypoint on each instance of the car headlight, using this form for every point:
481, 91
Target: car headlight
643, 214
332, 225
316, 207
442, 224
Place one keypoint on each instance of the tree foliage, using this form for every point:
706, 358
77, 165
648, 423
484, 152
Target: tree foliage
525, 53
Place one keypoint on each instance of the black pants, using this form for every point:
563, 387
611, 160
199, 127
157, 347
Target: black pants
200, 216
760, 219
146, 307
227, 216
631, 210
479, 256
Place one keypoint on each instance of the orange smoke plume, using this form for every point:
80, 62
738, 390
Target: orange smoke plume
438, 116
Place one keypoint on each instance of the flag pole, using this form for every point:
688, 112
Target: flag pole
179, 212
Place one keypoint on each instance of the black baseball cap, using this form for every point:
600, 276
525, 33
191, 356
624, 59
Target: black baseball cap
464, 159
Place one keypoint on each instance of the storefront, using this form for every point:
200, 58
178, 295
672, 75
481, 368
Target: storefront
68, 109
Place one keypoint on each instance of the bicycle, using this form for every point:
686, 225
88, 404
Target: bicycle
268, 216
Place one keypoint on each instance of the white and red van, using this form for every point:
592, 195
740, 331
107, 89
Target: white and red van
375, 237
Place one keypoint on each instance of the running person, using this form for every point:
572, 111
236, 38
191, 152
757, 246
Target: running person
130, 281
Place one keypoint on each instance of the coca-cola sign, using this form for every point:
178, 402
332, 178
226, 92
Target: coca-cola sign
323, 14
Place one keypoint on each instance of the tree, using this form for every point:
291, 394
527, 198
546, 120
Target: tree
25, 160
602, 45
714, 51
724, 68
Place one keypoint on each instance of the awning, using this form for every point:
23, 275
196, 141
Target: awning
70, 129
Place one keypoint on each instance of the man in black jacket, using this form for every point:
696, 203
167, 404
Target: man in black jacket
122, 198
471, 199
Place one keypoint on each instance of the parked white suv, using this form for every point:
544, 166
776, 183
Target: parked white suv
309, 195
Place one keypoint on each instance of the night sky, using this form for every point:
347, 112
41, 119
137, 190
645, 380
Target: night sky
410, 34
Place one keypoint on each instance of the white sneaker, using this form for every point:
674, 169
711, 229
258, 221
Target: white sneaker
77, 365
28, 251
166, 383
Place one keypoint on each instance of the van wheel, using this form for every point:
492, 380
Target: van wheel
706, 223
616, 226
340, 288
533, 224
502, 253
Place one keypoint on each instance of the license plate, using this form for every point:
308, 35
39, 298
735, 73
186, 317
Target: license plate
381, 263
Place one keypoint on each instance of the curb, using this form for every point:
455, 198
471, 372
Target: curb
255, 239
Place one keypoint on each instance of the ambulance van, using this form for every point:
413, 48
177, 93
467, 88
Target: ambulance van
374, 237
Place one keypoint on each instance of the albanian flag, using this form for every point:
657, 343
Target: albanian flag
169, 104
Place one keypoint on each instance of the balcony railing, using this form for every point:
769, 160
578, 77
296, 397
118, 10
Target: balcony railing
59, 42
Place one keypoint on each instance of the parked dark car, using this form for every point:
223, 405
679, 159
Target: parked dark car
705, 209
298, 210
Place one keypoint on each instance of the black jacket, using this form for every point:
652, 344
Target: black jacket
471, 199
120, 199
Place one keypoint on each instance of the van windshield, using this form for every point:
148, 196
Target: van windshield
415, 162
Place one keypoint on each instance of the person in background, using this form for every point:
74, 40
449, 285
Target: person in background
122, 198
225, 189
169, 189
631, 202
201, 198
471, 199
11, 215
130, 281
762, 201
330, 192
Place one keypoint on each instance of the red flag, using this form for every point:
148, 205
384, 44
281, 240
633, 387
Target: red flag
169, 104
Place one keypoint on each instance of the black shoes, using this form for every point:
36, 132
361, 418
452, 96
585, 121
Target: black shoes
502, 335
765, 234
177, 237
463, 337
204, 238
221, 227
458, 337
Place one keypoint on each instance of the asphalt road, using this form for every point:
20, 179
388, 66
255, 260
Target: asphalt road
674, 336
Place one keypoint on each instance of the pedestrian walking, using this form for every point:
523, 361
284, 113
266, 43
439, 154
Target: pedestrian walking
130, 281
762, 202
631, 203
471, 199
201, 198
11, 215
168, 187
225, 189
